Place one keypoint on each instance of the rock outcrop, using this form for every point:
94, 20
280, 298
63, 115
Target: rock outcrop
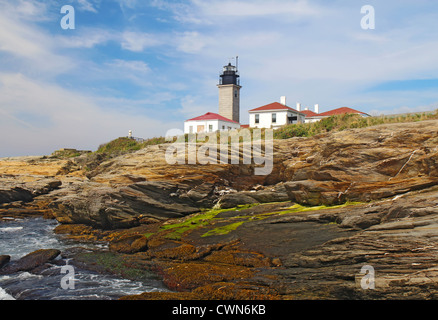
352, 165
29, 184
31, 261
26, 191
332, 204
279, 251
4, 259
125, 206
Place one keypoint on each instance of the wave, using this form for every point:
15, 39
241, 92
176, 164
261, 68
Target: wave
4, 295
11, 229
18, 239
27, 275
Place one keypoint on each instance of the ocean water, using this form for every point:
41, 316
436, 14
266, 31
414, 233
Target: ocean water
22, 236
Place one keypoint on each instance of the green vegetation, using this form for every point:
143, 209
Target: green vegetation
346, 121
194, 221
175, 230
300, 208
296, 208
331, 124
190, 223
115, 264
67, 153
116, 148
223, 230
148, 235
119, 145
126, 145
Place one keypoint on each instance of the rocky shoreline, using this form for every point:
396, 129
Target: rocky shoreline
333, 204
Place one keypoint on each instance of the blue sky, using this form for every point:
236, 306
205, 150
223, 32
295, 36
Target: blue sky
147, 66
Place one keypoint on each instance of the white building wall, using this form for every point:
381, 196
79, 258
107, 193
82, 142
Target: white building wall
225, 125
266, 119
203, 126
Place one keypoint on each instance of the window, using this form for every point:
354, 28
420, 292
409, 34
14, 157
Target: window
223, 127
191, 129
235, 93
274, 118
292, 119
210, 128
257, 118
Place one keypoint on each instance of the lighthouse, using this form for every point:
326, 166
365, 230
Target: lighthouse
229, 92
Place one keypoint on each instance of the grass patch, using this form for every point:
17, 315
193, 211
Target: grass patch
347, 121
119, 145
67, 153
125, 145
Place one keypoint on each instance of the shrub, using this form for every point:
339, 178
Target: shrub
119, 145
346, 121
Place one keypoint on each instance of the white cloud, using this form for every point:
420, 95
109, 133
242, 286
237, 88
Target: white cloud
131, 4
138, 41
129, 40
133, 107
235, 8
193, 106
26, 10
136, 66
31, 48
192, 42
404, 109
216, 11
86, 6
72, 120
138, 72
310, 51
88, 38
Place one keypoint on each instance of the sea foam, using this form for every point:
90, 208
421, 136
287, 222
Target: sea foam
11, 229
4, 295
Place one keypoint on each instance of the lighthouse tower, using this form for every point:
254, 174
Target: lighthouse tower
229, 92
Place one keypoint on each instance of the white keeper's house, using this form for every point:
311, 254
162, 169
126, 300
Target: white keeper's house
278, 114
210, 122
274, 115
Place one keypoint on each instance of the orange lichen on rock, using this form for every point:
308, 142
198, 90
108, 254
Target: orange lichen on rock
82, 232
189, 276
216, 291
234, 256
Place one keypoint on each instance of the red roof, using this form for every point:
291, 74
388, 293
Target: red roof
212, 116
309, 113
343, 110
273, 106
244, 126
